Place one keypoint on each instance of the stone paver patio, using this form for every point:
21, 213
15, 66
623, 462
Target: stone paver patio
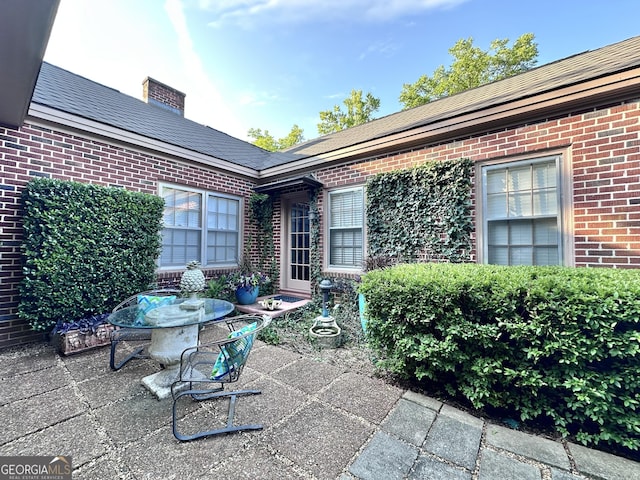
321, 421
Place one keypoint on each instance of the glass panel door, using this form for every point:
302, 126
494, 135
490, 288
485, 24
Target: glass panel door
297, 259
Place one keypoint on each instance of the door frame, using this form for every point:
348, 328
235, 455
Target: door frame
286, 283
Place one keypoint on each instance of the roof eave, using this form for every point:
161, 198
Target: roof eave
298, 181
51, 117
25, 27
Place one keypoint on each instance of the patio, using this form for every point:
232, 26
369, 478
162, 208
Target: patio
322, 420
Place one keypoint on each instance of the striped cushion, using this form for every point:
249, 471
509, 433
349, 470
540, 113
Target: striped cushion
146, 303
233, 355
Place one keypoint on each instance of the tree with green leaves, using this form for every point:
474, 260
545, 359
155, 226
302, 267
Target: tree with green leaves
358, 111
268, 142
471, 68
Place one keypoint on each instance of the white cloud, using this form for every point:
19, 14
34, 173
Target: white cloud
247, 13
134, 40
380, 10
385, 48
258, 98
208, 106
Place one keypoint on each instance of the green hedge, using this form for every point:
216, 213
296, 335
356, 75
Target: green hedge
85, 248
552, 343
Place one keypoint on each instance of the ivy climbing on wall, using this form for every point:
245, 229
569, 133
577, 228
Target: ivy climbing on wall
422, 213
261, 210
314, 234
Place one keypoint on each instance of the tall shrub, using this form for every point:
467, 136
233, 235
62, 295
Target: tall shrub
551, 343
85, 248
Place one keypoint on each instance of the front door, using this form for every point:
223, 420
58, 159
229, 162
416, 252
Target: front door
296, 241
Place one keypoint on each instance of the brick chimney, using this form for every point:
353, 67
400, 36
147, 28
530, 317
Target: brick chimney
164, 96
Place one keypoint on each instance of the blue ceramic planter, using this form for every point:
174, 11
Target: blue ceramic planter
247, 296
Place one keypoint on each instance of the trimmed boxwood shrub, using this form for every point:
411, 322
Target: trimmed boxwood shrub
85, 248
552, 343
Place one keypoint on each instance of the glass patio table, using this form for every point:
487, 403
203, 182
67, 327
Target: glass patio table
174, 328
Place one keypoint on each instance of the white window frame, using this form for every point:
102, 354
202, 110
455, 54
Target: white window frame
204, 199
329, 230
563, 197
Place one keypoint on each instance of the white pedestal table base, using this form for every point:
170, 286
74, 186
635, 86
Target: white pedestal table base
167, 345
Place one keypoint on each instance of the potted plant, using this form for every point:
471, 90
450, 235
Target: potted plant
80, 335
246, 286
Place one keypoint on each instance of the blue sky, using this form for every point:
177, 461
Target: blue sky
270, 64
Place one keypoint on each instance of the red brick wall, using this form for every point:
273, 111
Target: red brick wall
603, 147
34, 151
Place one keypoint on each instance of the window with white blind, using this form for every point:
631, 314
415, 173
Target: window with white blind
521, 213
203, 226
346, 225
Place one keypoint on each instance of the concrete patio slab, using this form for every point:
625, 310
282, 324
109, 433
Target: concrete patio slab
410, 422
113, 386
369, 398
557, 474
529, 446
603, 465
257, 463
29, 415
430, 467
195, 417
131, 420
167, 458
27, 359
266, 407
461, 416
29, 384
308, 437
78, 437
268, 358
425, 401
497, 466
455, 438
385, 457
91, 363
107, 466
308, 375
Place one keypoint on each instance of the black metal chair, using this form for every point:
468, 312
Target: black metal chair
207, 368
135, 335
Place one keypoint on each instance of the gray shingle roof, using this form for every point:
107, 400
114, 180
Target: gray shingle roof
68, 92
569, 71
62, 90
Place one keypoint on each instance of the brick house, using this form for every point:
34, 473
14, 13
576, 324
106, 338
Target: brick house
556, 181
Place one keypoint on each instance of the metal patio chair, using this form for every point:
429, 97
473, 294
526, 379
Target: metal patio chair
207, 368
135, 335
